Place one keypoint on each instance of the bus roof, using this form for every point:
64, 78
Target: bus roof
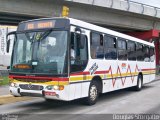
107, 31
93, 27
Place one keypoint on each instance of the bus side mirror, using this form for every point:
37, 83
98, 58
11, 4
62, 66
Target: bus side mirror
80, 37
115, 43
8, 40
8, 67
8, 45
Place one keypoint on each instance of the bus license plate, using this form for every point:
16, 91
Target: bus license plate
50, 93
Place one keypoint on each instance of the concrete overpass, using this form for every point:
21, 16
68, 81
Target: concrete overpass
121, 15
110, 13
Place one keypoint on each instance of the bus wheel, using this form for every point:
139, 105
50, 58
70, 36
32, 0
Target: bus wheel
139, 85
93, 93
48, 100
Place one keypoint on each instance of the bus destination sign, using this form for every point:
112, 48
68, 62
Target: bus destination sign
39, 25
44, 24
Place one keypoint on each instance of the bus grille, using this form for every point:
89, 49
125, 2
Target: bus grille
31, 87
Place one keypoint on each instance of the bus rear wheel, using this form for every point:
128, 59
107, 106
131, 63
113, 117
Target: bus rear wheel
139, 85
93, 93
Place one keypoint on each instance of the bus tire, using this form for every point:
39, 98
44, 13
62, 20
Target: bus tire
93, 93
48, 100
15, 96
139, 85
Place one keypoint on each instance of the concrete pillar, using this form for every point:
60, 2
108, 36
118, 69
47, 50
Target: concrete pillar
157, 51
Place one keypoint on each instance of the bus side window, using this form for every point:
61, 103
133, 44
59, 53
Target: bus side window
152, 55
131, 46
110, 47
140, 56
122, 49
146, 54
96, 46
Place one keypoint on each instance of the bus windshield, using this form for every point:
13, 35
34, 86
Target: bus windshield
41, 52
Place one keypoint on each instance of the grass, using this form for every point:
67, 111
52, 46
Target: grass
4, 81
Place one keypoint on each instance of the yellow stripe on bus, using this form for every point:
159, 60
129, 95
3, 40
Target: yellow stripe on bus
108, 76
44, 83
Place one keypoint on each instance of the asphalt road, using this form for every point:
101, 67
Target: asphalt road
147, 101
4, 90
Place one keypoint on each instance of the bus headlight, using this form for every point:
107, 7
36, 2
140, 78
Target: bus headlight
50, 87
13, 84
61, 87
55, 87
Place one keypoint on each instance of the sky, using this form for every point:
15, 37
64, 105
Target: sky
155, 3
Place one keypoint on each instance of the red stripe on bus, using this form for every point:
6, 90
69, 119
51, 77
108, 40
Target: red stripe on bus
39, 78
148, 69
88, 73
79, 73
101, 72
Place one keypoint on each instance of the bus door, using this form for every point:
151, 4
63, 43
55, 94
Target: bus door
78, 58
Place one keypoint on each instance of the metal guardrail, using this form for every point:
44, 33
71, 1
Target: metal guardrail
129, 1
4, 73
142, 4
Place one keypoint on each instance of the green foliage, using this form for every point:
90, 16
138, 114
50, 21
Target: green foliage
4, 81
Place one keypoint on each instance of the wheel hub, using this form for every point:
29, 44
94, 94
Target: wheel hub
93, 92
140, 83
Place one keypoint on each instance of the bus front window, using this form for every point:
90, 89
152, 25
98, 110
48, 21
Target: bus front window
44, 52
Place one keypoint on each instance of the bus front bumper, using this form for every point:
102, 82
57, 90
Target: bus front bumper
47, 94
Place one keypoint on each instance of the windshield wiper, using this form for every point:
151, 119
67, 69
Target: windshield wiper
45, 34
42, 36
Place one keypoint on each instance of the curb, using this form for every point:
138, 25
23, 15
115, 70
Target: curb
7, 99
4, 96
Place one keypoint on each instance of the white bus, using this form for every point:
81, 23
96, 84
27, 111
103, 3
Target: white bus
67, 59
